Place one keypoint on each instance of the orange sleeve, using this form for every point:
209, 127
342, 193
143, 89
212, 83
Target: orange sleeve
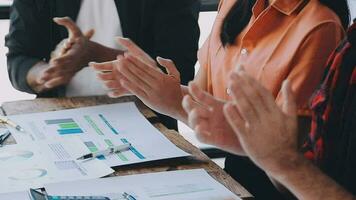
309, 62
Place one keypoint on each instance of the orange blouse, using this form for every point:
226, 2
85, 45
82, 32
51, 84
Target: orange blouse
290, 39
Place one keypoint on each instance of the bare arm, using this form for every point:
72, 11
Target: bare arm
306, 181
100, 53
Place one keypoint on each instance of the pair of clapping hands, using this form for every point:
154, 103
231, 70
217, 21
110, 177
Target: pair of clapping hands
69, 57
250, 124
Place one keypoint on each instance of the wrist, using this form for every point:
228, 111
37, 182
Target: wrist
91, 54
179, 113
100, 53
32, 77
286, 165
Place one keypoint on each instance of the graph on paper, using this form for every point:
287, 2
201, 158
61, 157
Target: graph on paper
101, 127
31, 165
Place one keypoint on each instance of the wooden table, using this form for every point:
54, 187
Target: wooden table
198, 159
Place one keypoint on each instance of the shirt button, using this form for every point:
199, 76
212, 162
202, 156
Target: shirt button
244, 52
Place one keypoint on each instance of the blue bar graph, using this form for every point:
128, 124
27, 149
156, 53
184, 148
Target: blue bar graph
70, 131
66, 126
133, 150
108, 124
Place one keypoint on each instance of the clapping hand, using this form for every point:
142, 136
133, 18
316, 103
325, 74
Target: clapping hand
267, 132
71, 56
206, 117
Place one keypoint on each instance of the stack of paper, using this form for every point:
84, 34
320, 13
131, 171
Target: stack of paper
98, 128
177, 185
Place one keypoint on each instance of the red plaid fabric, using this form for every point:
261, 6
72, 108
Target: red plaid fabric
323, 100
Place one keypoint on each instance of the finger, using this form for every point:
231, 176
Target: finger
56, 82
201, 96
103, 67
136, 51
118, 93
203, 134
65, 48
289, 106
63, 61
243, 103
197, 116
56, 71
251, 90
142, 69
89, 34
264, 96
106, 76
72, 28
234, 118
134, 89
170, 66
59, 65
127, 70
188, 103
113, 84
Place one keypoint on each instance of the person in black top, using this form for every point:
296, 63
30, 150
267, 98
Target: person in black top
160, 27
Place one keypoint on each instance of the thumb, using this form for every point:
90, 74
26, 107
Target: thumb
289, 106
89, 34
170, 66
68, 23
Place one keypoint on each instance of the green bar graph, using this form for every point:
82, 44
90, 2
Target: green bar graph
93, 125
66, 126
69, 125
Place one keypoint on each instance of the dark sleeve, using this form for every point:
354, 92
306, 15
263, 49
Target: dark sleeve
176, 34
28, 39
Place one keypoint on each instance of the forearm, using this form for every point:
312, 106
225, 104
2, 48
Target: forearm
306, 181
100, 53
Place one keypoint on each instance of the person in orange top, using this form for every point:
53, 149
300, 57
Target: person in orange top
273, 40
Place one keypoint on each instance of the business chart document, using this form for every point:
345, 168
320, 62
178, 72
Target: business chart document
177, 185
15, 196
24, 166
100, 127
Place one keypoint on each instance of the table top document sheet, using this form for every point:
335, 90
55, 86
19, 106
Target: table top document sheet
100, 127
177, 185
24, 166
15, 196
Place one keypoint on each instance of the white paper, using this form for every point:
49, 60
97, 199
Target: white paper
177, 185
25, 166
100, 127
15, 196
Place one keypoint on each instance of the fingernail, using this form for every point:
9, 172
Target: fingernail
41, 81
46, 85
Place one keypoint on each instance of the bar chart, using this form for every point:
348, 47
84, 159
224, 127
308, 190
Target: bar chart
65, 126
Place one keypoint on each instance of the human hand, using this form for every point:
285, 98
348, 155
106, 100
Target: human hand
71, 56
268, 133
159, 91
137, 73
109, 74
206, 117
